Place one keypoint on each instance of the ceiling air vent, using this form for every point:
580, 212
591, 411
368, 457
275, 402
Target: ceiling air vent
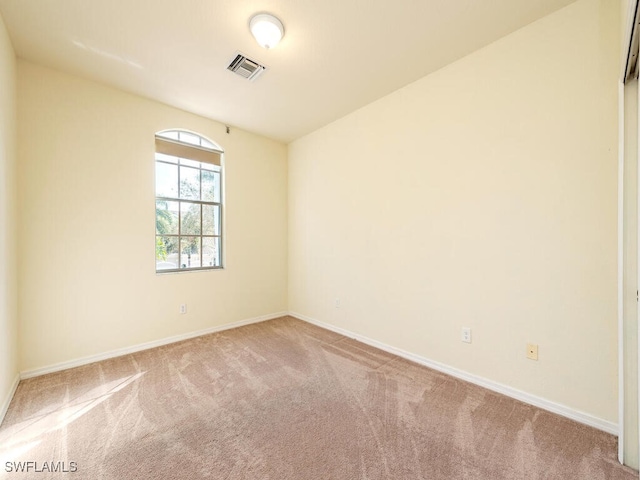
245, 67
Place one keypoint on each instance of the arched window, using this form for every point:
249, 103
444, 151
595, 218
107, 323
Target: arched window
188, 202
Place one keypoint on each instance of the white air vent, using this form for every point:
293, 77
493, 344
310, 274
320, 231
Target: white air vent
245, 67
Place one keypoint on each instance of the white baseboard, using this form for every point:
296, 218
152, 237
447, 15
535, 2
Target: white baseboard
563, 410
7, 400
143, 346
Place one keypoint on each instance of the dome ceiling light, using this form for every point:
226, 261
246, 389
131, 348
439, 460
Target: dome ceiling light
267, 29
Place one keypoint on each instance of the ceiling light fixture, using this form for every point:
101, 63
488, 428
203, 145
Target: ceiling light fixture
267, 29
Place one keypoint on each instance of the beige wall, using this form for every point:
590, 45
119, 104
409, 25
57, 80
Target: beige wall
8, 243
483, 195
87, 281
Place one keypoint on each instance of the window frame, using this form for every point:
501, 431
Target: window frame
203, 144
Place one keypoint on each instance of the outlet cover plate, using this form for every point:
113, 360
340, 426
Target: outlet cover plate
466, 335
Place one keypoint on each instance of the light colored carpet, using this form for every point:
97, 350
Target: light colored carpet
286, 400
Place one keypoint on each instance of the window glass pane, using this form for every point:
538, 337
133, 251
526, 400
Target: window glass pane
172, 134
210, 186
189, 183
208, 166
189, 252
166, 217
189, 138
166, 252
206, 143
190, 218
210, 220
211, 251
216, 185
166, 180
189, 163
166, 158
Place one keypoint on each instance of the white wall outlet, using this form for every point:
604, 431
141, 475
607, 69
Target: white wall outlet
183, 308
532, 351
466, 334
338, 303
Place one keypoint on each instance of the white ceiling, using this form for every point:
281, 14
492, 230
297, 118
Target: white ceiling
336, 56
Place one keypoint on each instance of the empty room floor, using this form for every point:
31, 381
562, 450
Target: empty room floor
284, 399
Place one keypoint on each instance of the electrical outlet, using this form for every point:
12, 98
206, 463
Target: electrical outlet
466, 334
532, 351
183, 308
337, 303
